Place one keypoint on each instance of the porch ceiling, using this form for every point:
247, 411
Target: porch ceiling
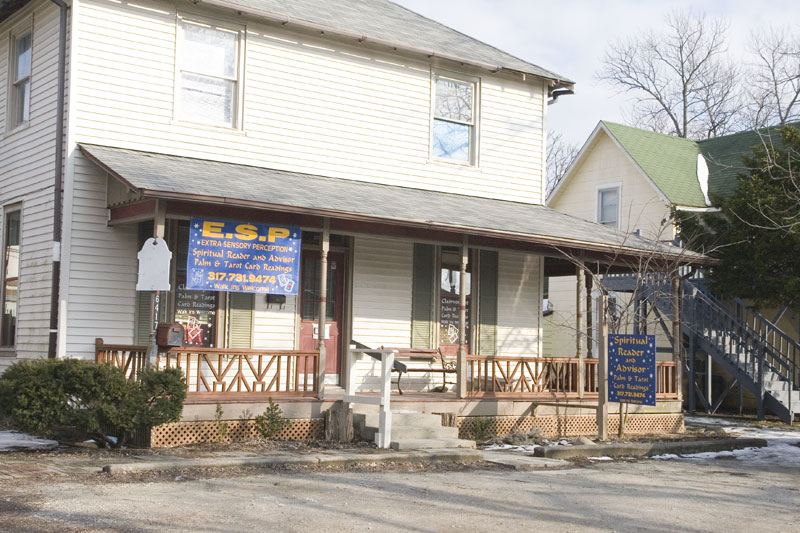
153, 175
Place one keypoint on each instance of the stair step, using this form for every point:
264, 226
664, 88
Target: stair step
421, 444
413, 432
401, 418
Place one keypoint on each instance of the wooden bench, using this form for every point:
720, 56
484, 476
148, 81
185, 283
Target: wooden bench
408, 360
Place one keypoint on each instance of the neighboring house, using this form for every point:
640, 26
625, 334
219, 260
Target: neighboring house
632, 179
405, 152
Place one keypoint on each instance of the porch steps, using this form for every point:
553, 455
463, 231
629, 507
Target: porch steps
412, 431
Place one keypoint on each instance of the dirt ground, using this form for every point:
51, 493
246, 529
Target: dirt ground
697, 495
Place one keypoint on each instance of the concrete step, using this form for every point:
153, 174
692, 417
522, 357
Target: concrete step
400, 418
415, 432
420, 444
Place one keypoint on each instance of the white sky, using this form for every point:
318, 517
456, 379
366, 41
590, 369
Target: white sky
569, 37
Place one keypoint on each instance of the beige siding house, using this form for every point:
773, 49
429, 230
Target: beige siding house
413, 167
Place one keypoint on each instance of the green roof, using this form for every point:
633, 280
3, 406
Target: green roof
670, 162
725, 156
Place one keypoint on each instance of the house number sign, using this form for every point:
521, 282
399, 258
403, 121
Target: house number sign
232, 256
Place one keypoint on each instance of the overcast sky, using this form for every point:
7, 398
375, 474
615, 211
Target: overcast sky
569, 37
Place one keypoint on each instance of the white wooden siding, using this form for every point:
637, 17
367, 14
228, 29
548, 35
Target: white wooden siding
274, 328
103, 268
519, 301
310, 105
26, 176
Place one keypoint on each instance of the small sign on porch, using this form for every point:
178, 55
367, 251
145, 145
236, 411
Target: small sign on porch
232, 256
632, 369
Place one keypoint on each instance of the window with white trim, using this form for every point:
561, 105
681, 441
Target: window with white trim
10, 288
608, 206
19, 102
208, 73
453, 129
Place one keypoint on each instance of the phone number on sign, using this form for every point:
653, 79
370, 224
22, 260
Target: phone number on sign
241, 278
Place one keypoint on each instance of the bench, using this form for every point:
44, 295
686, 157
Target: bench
408, 360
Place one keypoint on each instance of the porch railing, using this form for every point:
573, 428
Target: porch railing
511, 377
217, 372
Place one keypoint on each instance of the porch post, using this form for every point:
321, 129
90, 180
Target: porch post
159, 230
589, 333
323, 304
579, 277
677, 339
461, 365
602, 368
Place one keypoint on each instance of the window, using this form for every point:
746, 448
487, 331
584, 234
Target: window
19, 104
208, 84
10, 277
453, 136
608, 207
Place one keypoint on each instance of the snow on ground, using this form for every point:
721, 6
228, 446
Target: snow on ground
13, 440
783, 443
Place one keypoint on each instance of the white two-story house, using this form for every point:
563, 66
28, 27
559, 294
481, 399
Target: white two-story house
405, 158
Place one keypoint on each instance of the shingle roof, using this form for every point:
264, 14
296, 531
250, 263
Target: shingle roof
385, 20
725, 156
166, 176
670, 162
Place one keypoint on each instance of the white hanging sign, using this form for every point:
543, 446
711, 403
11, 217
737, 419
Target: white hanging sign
154, 260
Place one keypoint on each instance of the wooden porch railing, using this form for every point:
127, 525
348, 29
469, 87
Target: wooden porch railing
221, 372
546, 377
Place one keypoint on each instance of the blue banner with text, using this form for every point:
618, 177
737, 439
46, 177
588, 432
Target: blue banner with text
235, 256
632, 369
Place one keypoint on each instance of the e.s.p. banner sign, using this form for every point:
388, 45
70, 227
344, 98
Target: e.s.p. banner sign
234, 256
632, 369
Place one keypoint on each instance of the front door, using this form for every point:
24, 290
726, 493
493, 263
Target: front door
309, 308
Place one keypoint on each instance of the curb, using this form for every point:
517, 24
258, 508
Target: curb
424, 456
638, 449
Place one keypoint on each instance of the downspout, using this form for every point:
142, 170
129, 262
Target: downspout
59, 179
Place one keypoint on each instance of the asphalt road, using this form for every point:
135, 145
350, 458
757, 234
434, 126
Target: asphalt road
722, 494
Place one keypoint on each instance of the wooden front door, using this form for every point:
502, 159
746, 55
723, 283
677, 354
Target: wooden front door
309, 307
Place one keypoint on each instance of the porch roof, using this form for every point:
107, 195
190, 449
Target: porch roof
153, 175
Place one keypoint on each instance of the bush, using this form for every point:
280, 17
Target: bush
271, 422
70, 398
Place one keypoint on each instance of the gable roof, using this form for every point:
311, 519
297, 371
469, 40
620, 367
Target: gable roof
386, 21
725, 156
379, 21
669, 162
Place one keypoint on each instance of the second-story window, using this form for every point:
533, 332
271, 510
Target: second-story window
608, 207
19, 105
453, 135
208, 84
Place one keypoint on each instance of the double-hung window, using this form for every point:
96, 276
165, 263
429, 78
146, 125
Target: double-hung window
608, 206
19, 105
453, 135
208, 73
10, 296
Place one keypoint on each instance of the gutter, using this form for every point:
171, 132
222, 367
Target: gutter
697, 209
59, 180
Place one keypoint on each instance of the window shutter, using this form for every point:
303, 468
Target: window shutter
487, 302
240, 320
422, 296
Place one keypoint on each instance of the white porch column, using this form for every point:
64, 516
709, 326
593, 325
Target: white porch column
579, 353
323, 304
461, 365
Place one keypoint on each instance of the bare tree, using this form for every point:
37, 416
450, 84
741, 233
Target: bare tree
560, 154
681, 80
772, 81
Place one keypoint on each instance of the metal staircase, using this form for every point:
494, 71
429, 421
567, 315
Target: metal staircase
756, 353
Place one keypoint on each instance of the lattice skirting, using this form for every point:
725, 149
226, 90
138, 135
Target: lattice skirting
182, 433
571, 426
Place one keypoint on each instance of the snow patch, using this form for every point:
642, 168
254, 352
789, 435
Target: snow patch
14, 440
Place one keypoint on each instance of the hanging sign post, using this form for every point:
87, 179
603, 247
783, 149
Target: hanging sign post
235, 256
154, 259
